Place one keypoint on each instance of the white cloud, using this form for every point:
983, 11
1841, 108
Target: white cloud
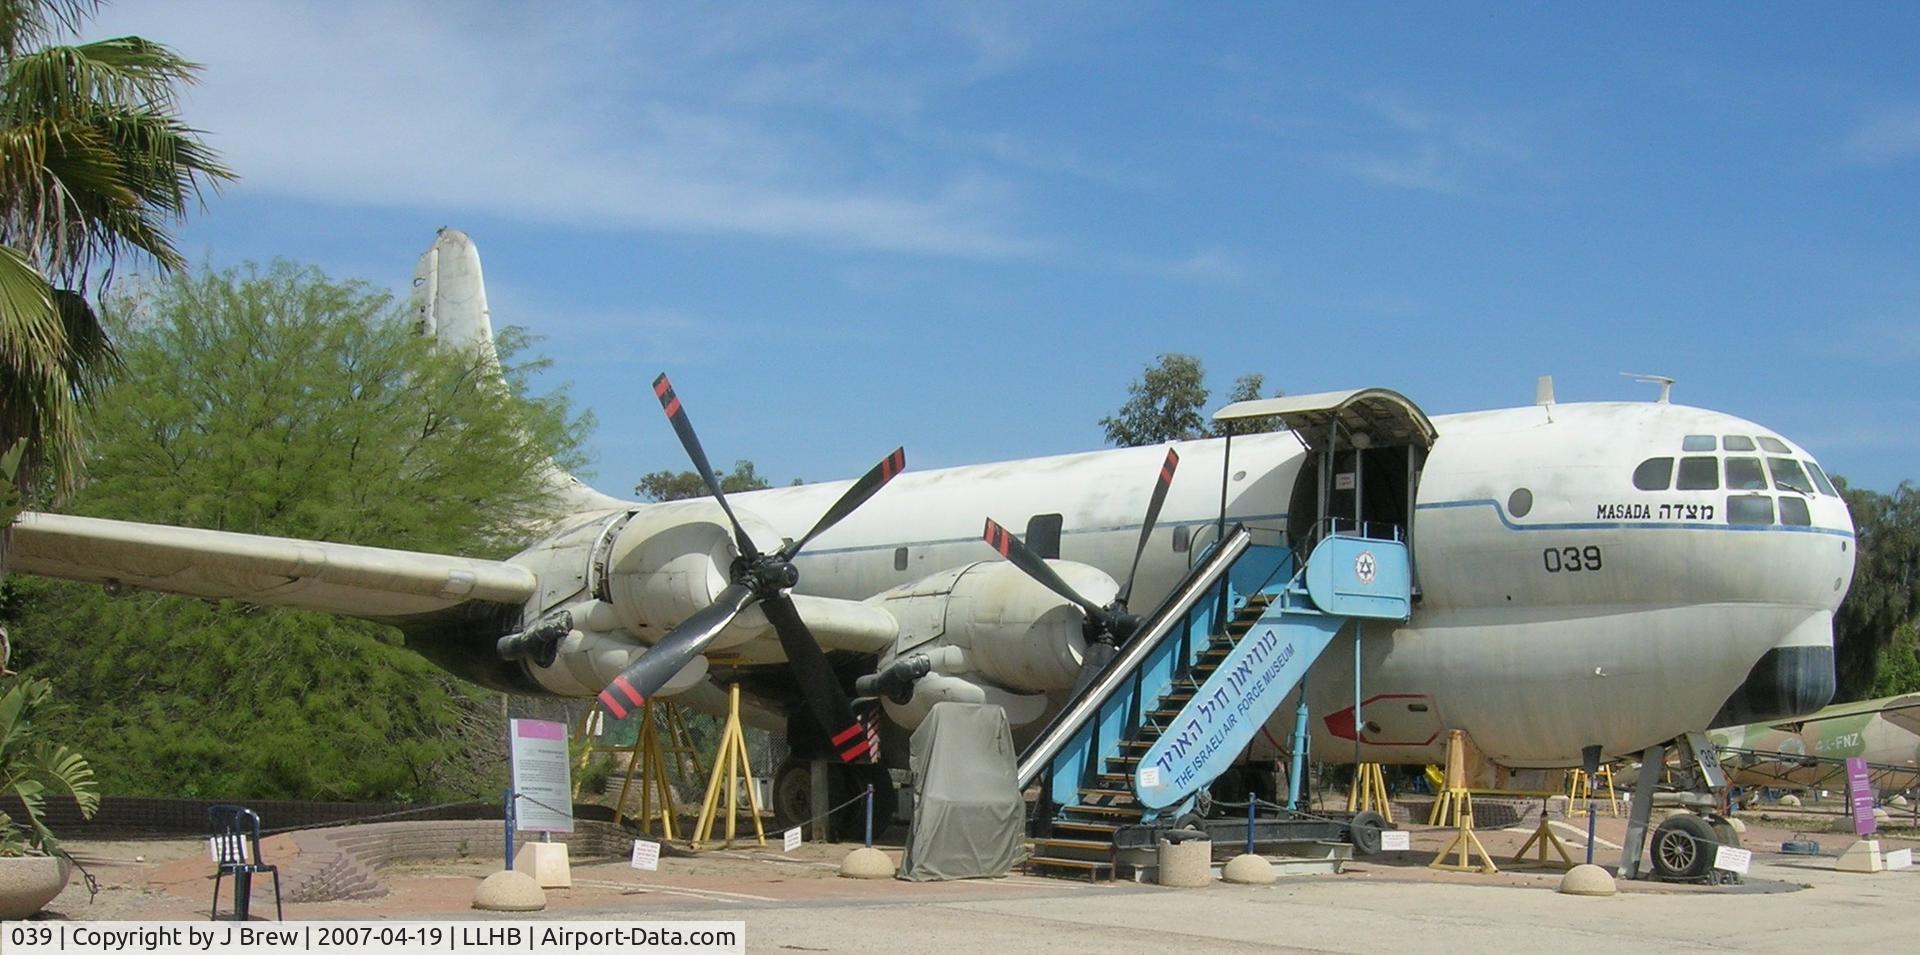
1402, 146
1886, 139
615, 117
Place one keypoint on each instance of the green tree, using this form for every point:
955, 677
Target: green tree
681, 485
1168, 403
277, 401
95, 165
1897, 671
1885, 593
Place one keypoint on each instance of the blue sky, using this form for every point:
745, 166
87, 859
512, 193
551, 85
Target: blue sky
965, 228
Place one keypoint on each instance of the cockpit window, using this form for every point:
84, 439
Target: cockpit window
1743, 474
1793, 510
1698, 442
1820, 480
1787, 475
1699, 474
1653, 474
1737, 442
1774, 446
1749, 509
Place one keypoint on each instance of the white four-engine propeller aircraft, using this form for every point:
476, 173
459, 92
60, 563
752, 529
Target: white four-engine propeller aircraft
1608, 575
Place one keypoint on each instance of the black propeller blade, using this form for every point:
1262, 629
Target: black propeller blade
677, 415
1159, 498
645, 677
764, 579
869, 484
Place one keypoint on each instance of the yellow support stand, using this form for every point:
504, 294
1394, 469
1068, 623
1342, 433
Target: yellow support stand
1542, 837
1457, 801
732, 766
1580, 789
647, 757
1369, 791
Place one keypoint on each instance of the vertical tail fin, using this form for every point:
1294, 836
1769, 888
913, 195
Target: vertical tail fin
449, 305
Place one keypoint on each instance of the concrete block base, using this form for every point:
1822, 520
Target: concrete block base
546, 862
1862, 856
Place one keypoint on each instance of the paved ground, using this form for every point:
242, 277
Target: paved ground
1393, 902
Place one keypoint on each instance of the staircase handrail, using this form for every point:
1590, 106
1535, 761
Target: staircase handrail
1191, 589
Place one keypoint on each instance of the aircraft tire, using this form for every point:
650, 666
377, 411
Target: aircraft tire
1364, 833
1683, 847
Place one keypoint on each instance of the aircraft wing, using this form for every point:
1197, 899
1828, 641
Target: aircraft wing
370, 582
1902, 711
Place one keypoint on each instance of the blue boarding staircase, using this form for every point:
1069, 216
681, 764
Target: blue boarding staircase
1184, 698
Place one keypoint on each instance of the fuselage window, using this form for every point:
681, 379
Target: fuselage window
1736, 442
1043, 535
1744, 474
1182, 539
1793, 510
899, 558
1699, 474
1787, 475
1654, 474
1699, 442
1749, 509
1774, 446
1820, 480
1520, 502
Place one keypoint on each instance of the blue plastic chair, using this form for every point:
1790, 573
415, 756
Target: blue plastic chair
236, 836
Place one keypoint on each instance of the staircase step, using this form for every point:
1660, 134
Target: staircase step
1088, 828
1123, 760
1100, 793
1133, 812
1074, 845
1094, 869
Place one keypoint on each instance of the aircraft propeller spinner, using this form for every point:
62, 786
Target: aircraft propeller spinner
1106, 627
764, 579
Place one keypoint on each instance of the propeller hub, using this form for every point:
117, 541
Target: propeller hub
771, 574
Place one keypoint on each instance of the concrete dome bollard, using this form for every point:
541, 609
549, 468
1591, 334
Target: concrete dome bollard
1898, 802
1587, 880
1248, 869
1790, 801
866, 862
509, 891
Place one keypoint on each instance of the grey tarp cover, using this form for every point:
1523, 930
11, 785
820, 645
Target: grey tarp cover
969, 820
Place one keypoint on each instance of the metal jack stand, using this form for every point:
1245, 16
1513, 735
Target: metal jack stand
731, 765
1461, 802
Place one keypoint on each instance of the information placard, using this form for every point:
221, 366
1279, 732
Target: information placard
646, 855
790, 840
1395, 840
542, 787
1860, 797
1729, 859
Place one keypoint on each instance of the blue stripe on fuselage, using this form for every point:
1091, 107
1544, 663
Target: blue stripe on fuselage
1630, 525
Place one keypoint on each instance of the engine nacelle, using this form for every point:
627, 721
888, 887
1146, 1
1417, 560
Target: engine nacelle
670, 561
1009, 629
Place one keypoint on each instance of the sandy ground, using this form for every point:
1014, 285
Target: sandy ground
796, 902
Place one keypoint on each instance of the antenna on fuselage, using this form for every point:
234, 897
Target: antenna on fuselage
1666, 384
1543, 390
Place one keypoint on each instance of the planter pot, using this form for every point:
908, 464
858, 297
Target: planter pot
28, 883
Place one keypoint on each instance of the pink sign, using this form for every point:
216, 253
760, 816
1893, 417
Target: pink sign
1860, 795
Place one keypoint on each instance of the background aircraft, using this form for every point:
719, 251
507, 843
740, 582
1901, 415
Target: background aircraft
1807, 752
1604, 574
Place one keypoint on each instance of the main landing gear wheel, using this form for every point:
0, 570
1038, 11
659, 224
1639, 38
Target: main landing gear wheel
793, 798
1683, 848
1364, 833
